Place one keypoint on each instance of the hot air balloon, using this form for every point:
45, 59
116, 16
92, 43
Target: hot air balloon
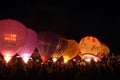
47, 44
89, 45
61, 47
104, 50
12, 37
71, 51
30, 45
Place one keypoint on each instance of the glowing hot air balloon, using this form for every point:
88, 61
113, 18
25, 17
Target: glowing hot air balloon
89, 45
71, 51
30, 45
12, 37
104, 50
89, 57
61, 47
47, 44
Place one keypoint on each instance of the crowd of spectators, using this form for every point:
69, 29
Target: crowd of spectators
16, 69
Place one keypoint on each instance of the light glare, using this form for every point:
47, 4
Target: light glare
54, 59
25, 58
7, 58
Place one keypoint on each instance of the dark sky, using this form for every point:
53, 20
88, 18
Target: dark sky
71, 20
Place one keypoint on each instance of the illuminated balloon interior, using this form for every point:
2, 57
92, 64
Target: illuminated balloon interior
25, 57
65, 60
7, 57
71, 51
54, 59
89, 57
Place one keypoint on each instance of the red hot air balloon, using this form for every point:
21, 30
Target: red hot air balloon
12, 37
30, 45
47, 44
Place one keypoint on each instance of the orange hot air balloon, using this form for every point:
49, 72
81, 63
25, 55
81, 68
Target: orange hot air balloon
104, 51
71, 51
89, 44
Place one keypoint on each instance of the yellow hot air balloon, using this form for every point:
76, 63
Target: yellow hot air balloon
71, 51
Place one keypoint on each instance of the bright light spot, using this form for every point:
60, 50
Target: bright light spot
18, 56
7, 58
89, 56
95, 59
25, 58
65, 60
54, 59
88, 60
44, 59
74, 60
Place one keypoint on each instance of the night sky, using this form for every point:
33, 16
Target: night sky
71, 20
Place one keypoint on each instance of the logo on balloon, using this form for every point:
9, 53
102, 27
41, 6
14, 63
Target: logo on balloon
11, 37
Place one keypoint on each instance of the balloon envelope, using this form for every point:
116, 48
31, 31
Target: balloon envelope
12, 37
61, 47
89, 44
105, 50
47, 44
30, 45
71, 51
